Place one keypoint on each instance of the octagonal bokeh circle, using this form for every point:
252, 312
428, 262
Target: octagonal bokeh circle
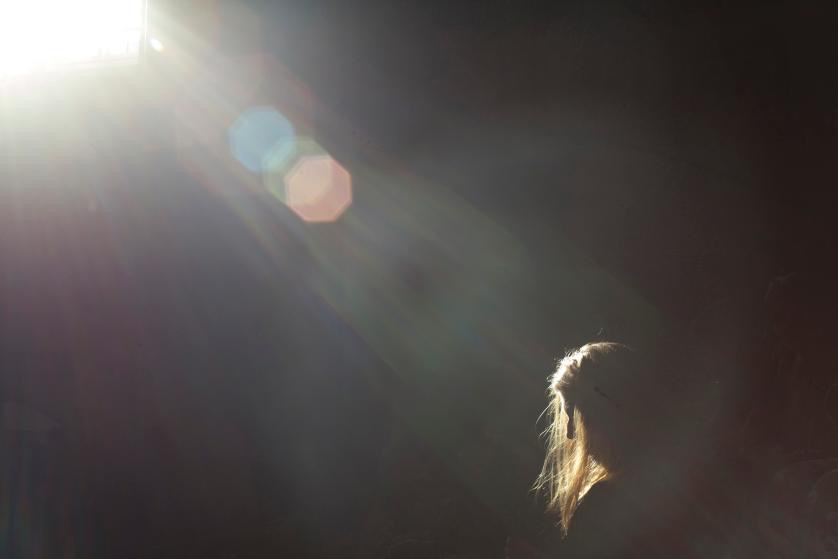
279, 161
259, 132
318, 189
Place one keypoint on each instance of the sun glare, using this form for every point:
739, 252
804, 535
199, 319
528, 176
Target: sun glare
44, 35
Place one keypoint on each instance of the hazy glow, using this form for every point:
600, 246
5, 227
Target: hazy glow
49, 34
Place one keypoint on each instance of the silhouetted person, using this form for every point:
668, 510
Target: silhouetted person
615, 474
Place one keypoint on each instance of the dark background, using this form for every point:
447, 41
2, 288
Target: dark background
189, 370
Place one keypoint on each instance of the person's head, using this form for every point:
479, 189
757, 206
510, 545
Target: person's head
600, 417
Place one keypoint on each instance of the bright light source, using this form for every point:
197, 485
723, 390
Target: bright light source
156, 44
38, 35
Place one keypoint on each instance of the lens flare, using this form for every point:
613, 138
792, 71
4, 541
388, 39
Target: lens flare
318, 189
260, 134
280, 161
156, 44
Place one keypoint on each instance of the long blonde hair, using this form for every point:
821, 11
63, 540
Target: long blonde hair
570, 467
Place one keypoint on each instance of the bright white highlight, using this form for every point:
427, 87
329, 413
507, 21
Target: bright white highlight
156, 44
39, 35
